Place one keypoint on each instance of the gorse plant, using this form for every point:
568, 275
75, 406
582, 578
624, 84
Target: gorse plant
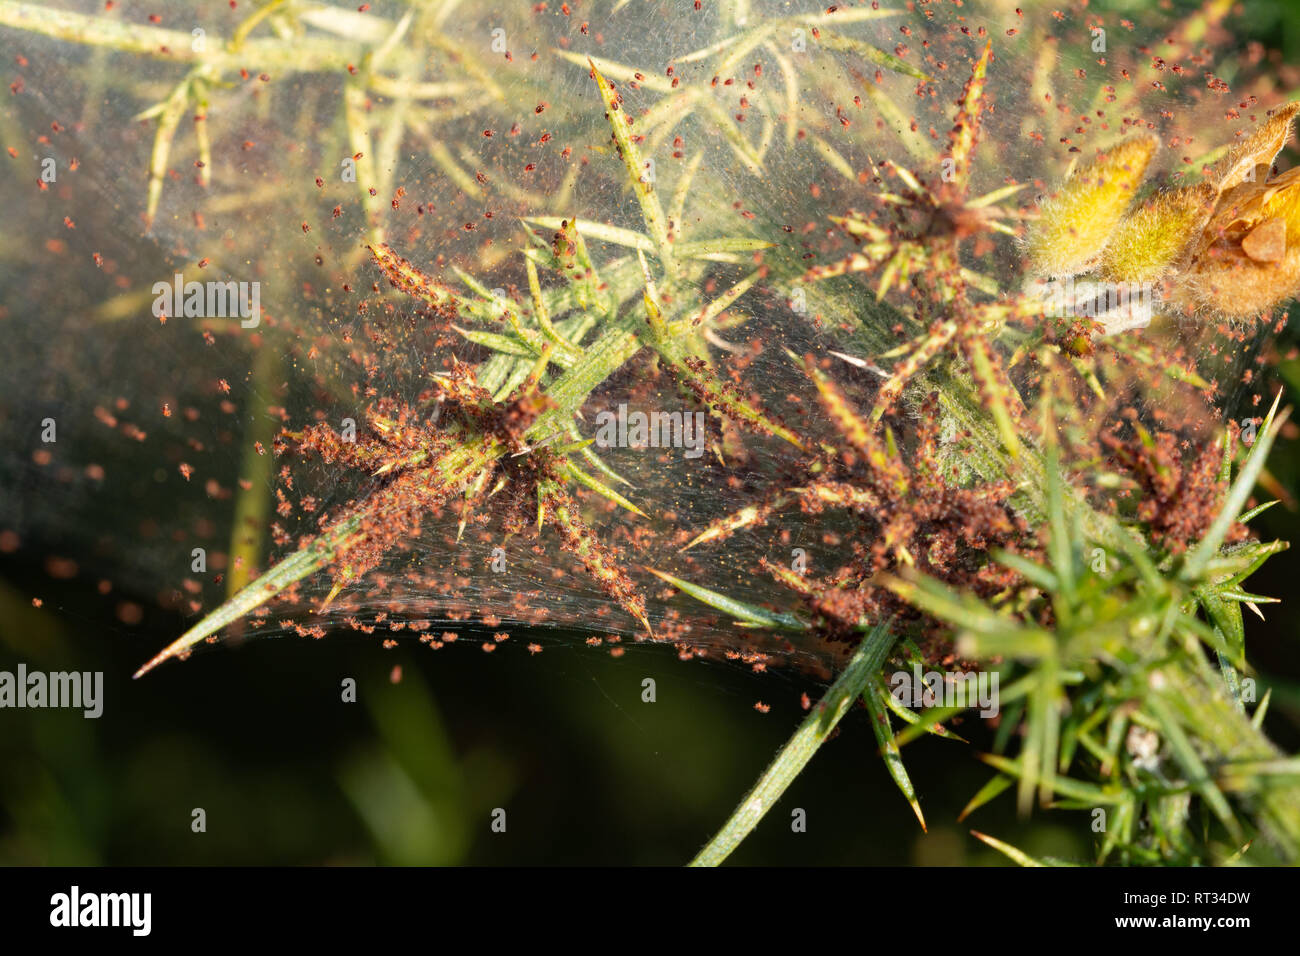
995, 484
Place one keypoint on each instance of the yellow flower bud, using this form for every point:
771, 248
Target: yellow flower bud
1154, 236
1076, 222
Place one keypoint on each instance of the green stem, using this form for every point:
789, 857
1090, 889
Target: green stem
794, 756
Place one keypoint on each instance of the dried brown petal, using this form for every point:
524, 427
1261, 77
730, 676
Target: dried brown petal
1258, 149
1266, 242
1228, 282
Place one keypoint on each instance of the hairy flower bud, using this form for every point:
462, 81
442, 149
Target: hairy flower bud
1076, 223
1152, 238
